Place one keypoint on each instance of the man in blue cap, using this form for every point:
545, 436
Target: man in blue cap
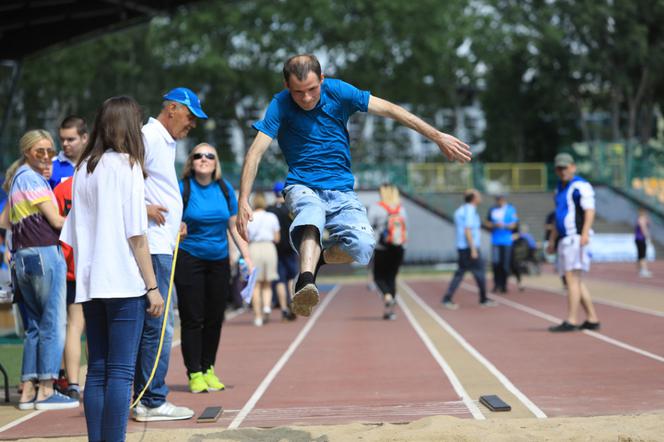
309, 119
180, 110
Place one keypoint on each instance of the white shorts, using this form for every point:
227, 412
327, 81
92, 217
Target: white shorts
571, 256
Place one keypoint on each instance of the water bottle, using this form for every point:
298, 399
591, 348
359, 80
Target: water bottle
244, 269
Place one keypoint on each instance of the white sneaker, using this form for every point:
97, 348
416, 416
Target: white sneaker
165, 412
645, 274
258, 322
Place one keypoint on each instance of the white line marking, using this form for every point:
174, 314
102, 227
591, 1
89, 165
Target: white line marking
594, 334
454, 380
484, 361
20, 420
262, 388
605, 302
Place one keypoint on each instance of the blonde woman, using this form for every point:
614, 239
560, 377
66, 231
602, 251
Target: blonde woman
202, 271
40, 271
264, 233
388, 220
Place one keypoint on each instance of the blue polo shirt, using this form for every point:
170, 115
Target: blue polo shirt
315, 143
207, 218
63, 168
572, 201
506, 214
466, 216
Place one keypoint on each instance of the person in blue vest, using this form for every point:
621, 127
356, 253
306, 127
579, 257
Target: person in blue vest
502, 219
575, 213
309, 118
73, 133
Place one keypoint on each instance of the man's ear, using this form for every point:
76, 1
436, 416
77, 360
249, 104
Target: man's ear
84, 138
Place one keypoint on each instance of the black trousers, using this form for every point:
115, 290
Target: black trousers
203, 287
467, 264
501, 263
386, 266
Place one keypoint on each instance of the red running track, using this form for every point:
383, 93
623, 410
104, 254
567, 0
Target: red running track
568, 374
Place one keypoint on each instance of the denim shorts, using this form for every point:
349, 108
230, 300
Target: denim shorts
341, 214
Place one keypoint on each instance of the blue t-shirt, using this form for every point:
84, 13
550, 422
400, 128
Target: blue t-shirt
315, 143
207, 217
62, 168
572, 201
501, 236
466, 216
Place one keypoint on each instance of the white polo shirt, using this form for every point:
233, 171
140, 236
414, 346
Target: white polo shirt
108, 208
161, 186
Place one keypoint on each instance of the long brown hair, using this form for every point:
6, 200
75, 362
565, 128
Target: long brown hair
117, 127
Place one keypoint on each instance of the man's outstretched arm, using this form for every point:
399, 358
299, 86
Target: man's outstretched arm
453, 148
249, 170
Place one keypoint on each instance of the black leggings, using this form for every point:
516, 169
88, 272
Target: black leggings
385, 269
202, 288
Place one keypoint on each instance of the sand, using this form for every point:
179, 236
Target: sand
647, 427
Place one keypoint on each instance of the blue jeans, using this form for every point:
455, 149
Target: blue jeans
156, 393
501, 256
113, 328
41, 273
341, 213
467, 264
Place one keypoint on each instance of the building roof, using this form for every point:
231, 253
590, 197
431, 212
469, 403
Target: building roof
30, 26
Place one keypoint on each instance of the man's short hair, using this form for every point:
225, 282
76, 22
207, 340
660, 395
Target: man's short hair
76, 122
469, 195
300, 66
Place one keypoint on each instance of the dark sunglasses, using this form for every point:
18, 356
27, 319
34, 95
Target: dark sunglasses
198, 156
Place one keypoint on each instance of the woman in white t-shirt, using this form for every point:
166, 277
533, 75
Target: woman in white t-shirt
115, 281
264, 234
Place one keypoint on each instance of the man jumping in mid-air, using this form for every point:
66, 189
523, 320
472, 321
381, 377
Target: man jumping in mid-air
309, 120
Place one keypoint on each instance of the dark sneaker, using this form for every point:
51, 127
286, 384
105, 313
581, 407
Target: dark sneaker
287, 315
305, 300
587, 325
563, 327
489, 303
389, 316
73, 393
56, 401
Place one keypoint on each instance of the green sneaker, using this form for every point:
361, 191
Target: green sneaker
212, 381
197, 383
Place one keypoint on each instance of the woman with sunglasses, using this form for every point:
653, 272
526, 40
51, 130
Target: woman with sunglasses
40, 272
202, 271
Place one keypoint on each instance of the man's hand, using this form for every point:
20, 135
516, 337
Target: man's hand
473, 253
156, 301
550, 248
156, 213
244, 215
453, 148
585, 239
183, 230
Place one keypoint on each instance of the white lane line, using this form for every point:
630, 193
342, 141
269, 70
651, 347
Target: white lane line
454, 380
477, 355
594, 334
263, 386
21, 420
616, 304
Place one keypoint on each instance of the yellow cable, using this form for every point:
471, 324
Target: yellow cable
163, 324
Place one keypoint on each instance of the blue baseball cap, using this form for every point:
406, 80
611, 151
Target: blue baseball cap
187, 97
278, 187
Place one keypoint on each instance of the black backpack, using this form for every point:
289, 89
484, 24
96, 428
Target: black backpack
186, 192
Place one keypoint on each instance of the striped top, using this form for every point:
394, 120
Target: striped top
29, 227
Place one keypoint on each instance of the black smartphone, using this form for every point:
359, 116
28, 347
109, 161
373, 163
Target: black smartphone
494, 403
210, 414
